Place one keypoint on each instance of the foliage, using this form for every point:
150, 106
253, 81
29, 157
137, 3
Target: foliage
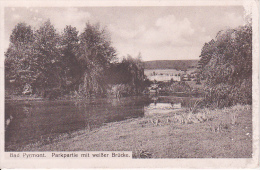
128, 72
120, 90
57, 64
206, 54
171, 64
95, 54
18, 58
229, 70
176, 87
46, 60
71, 71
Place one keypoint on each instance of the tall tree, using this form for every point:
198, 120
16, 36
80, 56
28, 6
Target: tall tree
95, 55
136, 70
206, 53
231, 61
71, 71
129, 72
18, 56
229, 71
47, 58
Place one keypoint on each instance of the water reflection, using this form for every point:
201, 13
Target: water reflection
34, 121
40, 120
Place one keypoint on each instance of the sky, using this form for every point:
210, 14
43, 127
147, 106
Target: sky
158, 33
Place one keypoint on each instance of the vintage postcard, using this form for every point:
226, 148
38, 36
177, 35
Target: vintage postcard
129, 84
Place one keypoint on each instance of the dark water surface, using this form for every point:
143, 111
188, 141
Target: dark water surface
34, 121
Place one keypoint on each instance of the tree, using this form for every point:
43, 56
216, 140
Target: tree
95, 55
18, 57
231, 60
54, 64
206, 53
71, 71
229, 70
136, 70
21, 34
129, 72
47, 58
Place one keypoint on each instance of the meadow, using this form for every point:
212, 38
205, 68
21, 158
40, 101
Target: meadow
219, 133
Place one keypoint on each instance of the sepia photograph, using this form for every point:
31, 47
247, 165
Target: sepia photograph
140, 82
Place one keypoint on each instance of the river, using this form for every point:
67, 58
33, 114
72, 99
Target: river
32, 121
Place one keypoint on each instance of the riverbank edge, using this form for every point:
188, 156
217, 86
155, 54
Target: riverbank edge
150, 134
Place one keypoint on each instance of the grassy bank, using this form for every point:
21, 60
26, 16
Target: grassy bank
221, 133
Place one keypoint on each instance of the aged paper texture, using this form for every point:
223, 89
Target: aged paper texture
129, 84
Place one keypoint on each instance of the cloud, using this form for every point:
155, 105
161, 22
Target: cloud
200, 37
233, 20
169, 30
167, 37
171, 53
224, 21
126, 33
16, 16
70, 16
171, 34
203, 29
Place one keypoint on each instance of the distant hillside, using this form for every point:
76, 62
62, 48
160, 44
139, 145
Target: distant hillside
171, 64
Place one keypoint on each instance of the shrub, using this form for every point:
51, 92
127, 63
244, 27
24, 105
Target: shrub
120, 90
227, 66
224, 95
177, 87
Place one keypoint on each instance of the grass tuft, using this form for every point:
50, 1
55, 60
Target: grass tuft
219, 133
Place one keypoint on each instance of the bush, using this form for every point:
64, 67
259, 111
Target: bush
218, 96
224, 95
177, 87
120, 90
227, 66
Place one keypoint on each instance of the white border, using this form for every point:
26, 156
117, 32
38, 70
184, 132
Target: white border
138, 163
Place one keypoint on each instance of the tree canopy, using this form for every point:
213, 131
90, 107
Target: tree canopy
226, 62
68, 62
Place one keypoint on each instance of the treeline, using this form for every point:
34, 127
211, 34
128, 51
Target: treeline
171, 64
226, 64
48, 64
